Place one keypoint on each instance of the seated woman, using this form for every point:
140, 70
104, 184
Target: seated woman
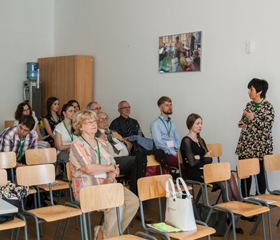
193, 149
25, 109
51, 119
75, 104
92, 164
64, 133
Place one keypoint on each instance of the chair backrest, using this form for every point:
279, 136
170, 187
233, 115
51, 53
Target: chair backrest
3, 177
272, 162
35, 175
248, 167
40, 156
151, 161
101, 197
152, 187
8, 160
128, 144
216, 172
180, 159
68, 171
216, 149
9, 123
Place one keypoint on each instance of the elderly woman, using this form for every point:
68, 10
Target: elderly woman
92, 164
256, 138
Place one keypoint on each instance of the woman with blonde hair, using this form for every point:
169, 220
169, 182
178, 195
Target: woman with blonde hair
92, 164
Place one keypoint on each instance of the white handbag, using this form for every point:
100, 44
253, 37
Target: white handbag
179, 208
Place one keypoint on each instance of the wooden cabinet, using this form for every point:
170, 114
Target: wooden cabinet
66, 77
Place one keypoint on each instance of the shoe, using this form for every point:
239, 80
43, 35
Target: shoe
239, 230
95, 232
147, 219
250, 219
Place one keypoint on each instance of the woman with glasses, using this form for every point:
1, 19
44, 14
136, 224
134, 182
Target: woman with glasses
25, 109
92, 164
64, 133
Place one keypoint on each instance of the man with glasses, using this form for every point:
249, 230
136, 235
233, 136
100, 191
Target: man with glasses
19, 138
116, 146
94, 106
124, 125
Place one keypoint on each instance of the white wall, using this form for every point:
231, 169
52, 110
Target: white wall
123, 38
26, 33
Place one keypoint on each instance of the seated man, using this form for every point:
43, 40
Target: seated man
18, 139
94, 106
115, 144
124, 125
164, 132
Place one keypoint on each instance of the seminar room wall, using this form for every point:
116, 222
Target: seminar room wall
123, 38
26, 33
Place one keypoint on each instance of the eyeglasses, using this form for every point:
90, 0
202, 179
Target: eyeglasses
103, 119
96, 109
90, 122
25, 110
126, 107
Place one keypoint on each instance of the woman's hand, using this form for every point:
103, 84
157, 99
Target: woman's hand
196, 157
109, 180
241, 124
116, 170
249, 115
208, 154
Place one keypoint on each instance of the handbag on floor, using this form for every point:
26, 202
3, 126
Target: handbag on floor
179, 208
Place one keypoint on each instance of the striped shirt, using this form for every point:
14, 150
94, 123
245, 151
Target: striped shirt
9, 141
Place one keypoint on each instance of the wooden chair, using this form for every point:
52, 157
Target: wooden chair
9, 123
18, 221
216, 150
105, 196
8, 161
151, 162
129, 145
154, 187
251, 167
45, 174
45, 156
217, 172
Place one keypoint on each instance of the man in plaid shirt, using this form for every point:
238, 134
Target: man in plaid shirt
19, 138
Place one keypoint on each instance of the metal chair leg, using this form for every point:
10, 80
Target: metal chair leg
57, 229
65, 229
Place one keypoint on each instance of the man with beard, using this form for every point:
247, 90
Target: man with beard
164, 132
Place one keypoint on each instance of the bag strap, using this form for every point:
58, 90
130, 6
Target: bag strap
168, 193
178, 180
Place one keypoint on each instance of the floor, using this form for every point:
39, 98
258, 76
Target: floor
73, 234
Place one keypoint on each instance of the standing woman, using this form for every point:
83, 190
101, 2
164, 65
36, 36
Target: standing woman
75, 104
51, 119
255, 139
193, 149
64, 133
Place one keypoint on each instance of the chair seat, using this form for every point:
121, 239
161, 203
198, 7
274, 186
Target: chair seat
54, 213
243, 208
201, 231
125, 237
58, 186
270, 197
182, 187
16, 223
32, 191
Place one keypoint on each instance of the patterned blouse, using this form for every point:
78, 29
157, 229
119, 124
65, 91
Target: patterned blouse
82, 154
257, 141
52, 125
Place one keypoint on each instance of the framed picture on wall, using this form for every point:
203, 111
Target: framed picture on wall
180, 52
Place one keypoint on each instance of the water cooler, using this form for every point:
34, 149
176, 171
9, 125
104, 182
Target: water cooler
32, 88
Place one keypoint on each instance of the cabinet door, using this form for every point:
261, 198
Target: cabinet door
84, 80
47, 68
65, 78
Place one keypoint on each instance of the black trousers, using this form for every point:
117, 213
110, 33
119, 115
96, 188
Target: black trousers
248, 181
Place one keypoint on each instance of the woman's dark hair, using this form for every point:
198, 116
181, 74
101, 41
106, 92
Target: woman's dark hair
259, 85
19, 110
190, 122
65, 107
74, 101
28, 121
49, 104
